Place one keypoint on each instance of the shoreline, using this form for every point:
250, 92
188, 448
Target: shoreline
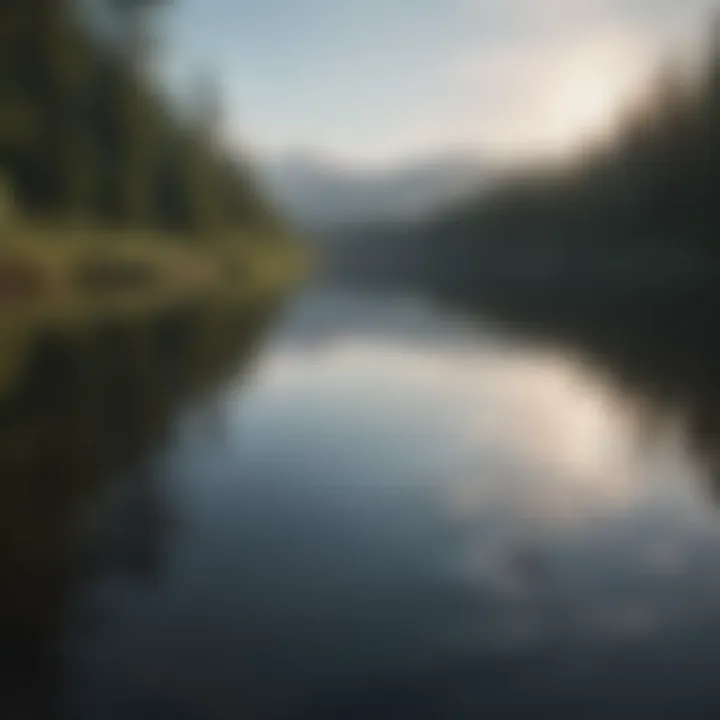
73, 281
58, 270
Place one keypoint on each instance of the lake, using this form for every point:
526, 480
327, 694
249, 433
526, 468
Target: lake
371, 507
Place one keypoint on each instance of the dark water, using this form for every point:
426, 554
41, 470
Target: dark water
383, 510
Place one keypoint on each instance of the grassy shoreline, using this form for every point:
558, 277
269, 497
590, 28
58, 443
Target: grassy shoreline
61, 267
74, 279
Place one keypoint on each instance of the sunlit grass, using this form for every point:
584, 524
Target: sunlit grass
75, 277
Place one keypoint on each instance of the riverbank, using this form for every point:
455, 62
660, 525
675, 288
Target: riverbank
74, 279
60, 264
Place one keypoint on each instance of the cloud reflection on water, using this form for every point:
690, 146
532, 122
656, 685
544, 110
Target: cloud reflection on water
535, 425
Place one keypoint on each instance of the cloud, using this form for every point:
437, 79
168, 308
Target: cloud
544, 97
563, 73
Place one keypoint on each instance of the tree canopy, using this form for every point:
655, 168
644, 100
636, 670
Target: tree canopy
85, 132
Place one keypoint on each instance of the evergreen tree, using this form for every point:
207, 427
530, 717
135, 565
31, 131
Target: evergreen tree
85, 131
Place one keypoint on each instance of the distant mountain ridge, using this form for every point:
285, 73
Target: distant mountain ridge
317, 194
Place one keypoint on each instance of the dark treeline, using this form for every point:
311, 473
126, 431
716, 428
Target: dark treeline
86, 133
655, 183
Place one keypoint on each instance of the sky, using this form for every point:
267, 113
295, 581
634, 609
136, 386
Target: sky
377, 82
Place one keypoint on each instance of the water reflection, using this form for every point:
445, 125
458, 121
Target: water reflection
651, 339
81, 414
399, 513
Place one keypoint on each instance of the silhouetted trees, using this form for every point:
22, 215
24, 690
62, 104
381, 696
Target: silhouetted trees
85, 133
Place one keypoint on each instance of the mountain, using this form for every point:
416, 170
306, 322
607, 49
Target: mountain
320, 195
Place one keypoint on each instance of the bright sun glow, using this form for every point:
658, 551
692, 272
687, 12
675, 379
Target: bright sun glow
589, 99
548, 98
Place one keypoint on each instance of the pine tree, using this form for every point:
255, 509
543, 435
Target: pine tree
136, 112
202, 169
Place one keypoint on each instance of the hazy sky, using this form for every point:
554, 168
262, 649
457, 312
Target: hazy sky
376, 81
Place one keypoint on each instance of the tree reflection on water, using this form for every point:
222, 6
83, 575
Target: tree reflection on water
79, 422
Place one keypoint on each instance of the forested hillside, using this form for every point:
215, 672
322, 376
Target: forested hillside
86, 133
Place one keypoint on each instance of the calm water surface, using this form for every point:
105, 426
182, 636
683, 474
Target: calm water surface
392, 513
